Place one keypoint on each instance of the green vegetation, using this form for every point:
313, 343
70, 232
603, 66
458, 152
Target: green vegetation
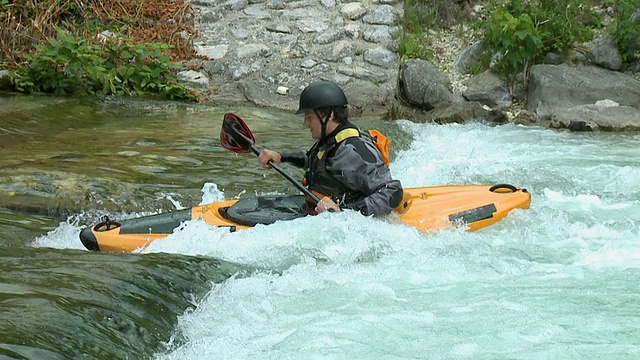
624, 30
518, 34
417, 18
412, 47
115, 67
54, 46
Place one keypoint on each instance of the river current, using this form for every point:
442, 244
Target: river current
557, 281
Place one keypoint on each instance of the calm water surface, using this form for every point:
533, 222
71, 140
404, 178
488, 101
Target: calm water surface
558, 281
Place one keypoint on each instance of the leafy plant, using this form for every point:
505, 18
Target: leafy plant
519, 33
513, 41
624, 30
118, 66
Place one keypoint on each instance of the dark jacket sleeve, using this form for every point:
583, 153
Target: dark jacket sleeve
357, 163
298, 159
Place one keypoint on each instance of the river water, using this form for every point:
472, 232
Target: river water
560, 280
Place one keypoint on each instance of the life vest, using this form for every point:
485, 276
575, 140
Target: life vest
318, 179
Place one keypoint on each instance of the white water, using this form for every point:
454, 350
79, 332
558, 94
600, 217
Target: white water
557, 281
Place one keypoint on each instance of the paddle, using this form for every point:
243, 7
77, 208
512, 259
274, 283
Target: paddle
236, 136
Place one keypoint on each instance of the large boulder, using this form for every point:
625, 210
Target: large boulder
488, 89
422, 85
604, 115
554, 88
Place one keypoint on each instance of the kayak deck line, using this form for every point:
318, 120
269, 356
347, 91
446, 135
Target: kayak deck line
428, 209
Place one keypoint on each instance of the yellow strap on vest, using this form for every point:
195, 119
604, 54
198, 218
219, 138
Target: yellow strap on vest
341, 136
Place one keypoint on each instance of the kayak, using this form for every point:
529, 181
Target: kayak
428, 209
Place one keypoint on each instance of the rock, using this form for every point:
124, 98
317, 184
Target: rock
381, 56
6, 83
468, 58
488, 89
552, 58
422, 85
599, 116
458, 112
604, 52
554, 88
193, 78
382, 15
353, 11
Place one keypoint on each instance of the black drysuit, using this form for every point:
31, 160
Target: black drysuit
347, 166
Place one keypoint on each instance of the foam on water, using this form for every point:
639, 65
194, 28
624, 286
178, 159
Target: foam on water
346, 286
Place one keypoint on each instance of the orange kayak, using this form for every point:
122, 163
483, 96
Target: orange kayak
427, 208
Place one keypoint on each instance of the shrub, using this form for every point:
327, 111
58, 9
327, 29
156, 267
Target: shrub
117, 66
519, 33
624, 30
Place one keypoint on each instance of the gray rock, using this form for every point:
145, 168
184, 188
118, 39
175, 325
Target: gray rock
280, 38
457, 112
488, 89
329, 36
342, 49
422, 85
362, 73
243, 70
251, 50
353, 11
213, 52
210, 16
193, 78
380, 33
235, 5
297, 14
381, 57
6, 82
276, 4
353, 31
257, 12
604, 52
308, 64
597, 117
329, 4
552, 58
279, 27
309, 26
468, 58
382, 15
553, 88
243, 28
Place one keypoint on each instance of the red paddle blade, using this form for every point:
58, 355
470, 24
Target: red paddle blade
235, 134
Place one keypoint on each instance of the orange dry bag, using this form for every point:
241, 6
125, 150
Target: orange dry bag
382, 143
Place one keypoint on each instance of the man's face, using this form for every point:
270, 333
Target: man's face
312, 122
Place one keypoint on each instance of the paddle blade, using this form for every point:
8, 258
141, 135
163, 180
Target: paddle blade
235, 134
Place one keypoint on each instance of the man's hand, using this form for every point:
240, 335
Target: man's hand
269, 155
326, 204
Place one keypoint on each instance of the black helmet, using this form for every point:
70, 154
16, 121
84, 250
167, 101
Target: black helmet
320, 95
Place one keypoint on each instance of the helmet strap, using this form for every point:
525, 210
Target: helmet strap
323, 123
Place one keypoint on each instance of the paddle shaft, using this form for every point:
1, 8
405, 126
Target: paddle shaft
295, 182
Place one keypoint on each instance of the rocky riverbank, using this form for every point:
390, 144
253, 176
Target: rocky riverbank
266, 51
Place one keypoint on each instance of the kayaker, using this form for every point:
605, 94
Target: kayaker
344, 168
